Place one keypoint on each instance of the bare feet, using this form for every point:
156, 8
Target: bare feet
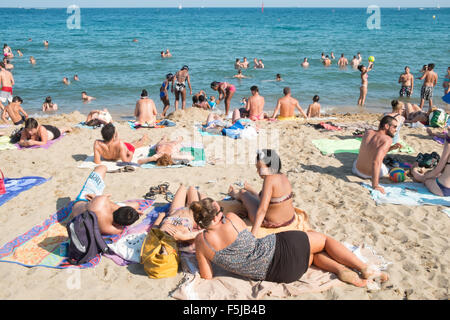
232, 192
370, 272
349, 276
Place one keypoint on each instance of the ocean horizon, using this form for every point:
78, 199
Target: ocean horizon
114, 69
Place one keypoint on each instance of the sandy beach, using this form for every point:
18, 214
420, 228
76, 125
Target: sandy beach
413, 238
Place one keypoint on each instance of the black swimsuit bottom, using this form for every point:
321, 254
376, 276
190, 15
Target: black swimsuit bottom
54, 130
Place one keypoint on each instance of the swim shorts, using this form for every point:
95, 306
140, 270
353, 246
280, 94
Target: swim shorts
130, 147
405, 90
6, 95
426, 93
93, 185
384, 171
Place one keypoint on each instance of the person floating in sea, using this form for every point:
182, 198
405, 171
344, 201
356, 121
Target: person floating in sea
407, 81
314, 108
179, 86
239, 75
226, 91
278, 77
430, 80
111, 148
374, 147
342, 62
164, 92
145, 111
15, 111
48, 105
6, 84
286, 106
35, 134
364, 82
305, 63
85, 97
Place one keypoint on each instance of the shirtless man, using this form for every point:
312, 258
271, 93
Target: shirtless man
359, 57
168, 152
245, 63
239, 75
85, 97
6, 84
326, 62
286, 105
237, 64
35, 134
179, 80
111, 148
66, 81
75, 78
342, 62
15, 112
112, 217
255, 106
354, 62
374, 147
407, 81
145, 111
32, 60
19, 53
429, 83
305, 63
46, 43
8, 65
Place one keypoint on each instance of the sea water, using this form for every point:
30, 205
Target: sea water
114, 69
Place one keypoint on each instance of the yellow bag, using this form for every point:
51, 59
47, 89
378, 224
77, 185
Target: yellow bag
159, 264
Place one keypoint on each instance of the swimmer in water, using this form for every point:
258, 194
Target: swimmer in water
45, 43
85, 97
278, 77
239, 75
48, 105
305, 63
75, 78
32, 60
66, 81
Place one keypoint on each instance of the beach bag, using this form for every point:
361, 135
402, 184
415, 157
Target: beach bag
159, 255
234, 131
85, 239
15, 135
2, 184
438, 118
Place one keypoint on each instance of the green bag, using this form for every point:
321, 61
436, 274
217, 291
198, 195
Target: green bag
438, 118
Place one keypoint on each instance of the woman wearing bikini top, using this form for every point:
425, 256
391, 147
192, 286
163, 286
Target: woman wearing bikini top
364, 82
180, 86
272, 207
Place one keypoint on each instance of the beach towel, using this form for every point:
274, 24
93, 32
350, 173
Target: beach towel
329, 146
447, 211
45, 245
45, 146
159, 124
89, 163
196, 150
15, 186
227, 286
83, 125
5, 144
407, 193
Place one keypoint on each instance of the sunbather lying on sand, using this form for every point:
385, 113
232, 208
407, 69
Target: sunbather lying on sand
112, 217
438, 179
168, 153
98, 117
35, 134
283, 257
111, 148
272, 207
179, 221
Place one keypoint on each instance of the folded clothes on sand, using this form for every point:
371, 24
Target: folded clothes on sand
159, 124
139, 153
45, 245
16, 186
407, 193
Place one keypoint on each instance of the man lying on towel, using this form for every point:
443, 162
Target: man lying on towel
111, 148
112, 217
374, 147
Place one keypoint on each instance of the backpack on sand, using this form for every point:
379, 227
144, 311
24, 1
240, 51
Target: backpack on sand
85, 239
438, 118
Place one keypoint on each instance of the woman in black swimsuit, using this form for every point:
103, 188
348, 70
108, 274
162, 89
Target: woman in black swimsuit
35, 134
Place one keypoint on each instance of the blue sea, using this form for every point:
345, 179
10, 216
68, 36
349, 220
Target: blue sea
114, 69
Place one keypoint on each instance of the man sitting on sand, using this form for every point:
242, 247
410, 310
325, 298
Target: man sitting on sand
35, 134
286, 105
15, 112
112, 217
374, 147
111, 148
314, 108
254, 107
168, 153
85, 97
145, 111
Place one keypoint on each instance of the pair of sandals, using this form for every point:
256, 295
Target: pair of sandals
159, 189
124, 169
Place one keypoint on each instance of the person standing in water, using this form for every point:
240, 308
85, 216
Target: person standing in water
364, 82
164, 93
407, 81
180, 86
226, 91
